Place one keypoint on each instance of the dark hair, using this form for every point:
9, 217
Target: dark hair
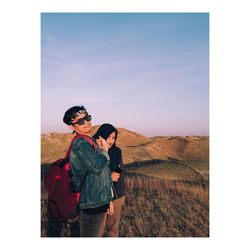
105, 130
70, 114
114, 152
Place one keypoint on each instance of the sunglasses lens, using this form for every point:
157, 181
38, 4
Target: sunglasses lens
88, 118
81, 121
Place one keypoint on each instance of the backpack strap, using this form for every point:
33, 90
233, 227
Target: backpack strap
75, 138
68, 152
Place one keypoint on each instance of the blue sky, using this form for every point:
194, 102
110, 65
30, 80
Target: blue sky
147, 72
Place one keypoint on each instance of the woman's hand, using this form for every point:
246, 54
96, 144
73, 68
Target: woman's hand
111, 209
102, 143
115, 176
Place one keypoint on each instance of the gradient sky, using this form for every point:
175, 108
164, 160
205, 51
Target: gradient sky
146, 72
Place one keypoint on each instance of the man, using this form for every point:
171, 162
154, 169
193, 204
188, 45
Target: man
95, 192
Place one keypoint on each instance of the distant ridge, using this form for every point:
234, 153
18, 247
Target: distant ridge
135, 147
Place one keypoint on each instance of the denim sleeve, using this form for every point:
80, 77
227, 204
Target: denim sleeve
103, 152
83, 157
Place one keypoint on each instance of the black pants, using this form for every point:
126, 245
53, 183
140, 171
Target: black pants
54, 228
92, 225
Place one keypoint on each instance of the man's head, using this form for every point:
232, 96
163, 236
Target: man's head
78, 120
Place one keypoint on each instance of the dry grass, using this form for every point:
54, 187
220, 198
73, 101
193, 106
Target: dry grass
158, 208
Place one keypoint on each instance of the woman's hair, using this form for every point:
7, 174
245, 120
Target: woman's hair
114, 152
105, 130
71, 114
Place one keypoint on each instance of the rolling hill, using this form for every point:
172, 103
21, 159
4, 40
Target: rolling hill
166, 199
135, 147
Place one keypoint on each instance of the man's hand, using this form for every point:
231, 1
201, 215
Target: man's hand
111, 209
115, 176
102, 143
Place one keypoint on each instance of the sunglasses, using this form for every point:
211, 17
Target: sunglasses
82, 120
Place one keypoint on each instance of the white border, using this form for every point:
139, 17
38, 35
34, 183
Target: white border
20, 85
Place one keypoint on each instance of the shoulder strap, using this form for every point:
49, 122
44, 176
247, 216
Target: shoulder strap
76, 137
68, 152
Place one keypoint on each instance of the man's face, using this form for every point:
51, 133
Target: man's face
83, 129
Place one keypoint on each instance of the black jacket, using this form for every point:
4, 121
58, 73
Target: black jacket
115, 154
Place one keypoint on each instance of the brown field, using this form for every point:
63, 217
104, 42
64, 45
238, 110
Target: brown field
157, 207
162, 200
161, 208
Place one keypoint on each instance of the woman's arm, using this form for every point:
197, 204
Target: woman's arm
116, 176
121, 164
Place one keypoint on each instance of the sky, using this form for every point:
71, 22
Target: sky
146, 72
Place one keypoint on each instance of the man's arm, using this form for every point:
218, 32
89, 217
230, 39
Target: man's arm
83, 156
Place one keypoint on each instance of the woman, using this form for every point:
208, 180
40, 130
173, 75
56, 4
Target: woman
110, 133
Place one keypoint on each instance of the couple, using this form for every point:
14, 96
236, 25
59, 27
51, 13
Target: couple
102, 193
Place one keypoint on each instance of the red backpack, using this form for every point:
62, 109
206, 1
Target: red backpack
62, 200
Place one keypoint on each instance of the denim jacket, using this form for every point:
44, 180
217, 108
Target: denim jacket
96, 189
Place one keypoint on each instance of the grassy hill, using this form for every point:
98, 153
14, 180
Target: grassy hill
135, 147
164, 198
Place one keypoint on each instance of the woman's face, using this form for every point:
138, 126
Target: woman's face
111, 139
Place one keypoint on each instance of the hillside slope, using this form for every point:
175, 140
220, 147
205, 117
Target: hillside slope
135, 147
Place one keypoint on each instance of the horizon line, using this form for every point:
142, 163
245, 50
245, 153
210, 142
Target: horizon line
54, 132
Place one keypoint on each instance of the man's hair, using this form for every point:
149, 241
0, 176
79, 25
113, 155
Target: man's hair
71, 114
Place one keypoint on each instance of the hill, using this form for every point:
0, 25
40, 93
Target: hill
163, 198
135, 147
